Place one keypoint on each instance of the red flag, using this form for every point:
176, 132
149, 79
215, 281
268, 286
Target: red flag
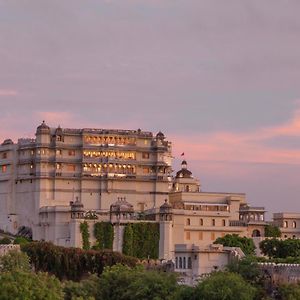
182, 154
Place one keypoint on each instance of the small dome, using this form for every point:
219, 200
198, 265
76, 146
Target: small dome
77, 205
160, 136
58, 130
43, 127
7, 142
184, 172
121, 205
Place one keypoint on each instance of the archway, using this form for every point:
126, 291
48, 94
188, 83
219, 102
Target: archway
256, 233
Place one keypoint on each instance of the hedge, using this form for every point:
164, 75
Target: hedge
72, 263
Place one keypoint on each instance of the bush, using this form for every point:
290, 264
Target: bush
20, 240
72, 263
225, 286
25, 285
14, 260
5, 241
233, 240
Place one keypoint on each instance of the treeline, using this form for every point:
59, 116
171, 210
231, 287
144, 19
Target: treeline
72, 263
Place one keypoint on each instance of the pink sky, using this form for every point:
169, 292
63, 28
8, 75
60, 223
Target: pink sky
219, 78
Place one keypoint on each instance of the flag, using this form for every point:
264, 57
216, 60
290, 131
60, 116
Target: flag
182, 154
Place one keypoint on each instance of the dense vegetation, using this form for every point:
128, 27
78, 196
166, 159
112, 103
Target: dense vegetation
104, 234
141, 240
281, 249
272, 231
85, 234
233, 240
242, 280
72, 263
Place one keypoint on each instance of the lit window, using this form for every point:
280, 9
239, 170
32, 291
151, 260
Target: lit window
294, 224
285, 224
58, 166
58, 152
3, 169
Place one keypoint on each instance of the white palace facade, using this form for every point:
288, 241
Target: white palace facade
51, 184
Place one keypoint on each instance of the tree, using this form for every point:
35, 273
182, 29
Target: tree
247, 268
225, 286
289, 291
233, 240
14, 260
5, 241
20, 240
29, 286
275, 248
272, 231
123, 283
86, 289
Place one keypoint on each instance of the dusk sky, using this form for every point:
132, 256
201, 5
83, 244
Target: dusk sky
221, 79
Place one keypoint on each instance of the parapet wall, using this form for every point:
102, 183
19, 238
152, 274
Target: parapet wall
4, 249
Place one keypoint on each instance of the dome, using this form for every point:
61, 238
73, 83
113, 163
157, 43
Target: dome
160, 136
7, 142
77, 205
121, 205
43, 127
58, 131
165, 207
184, 172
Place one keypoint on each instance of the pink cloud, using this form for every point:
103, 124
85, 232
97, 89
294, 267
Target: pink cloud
241, 147
8, 92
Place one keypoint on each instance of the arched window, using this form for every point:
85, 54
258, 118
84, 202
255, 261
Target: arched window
294, 224
285, 224
201, 222
180, 263
184, 263
224, 222
213, 222
188, 221
176, 262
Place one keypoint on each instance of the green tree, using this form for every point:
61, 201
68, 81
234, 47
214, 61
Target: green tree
5, 241
225, 286
20, 240
247, 267
128, 240
275, 248
289, 291
272, 231
122, 283
233, 240
86, 289
22, 285
14, 260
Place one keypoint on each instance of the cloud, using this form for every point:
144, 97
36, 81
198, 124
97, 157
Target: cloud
250, 146
8, 92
